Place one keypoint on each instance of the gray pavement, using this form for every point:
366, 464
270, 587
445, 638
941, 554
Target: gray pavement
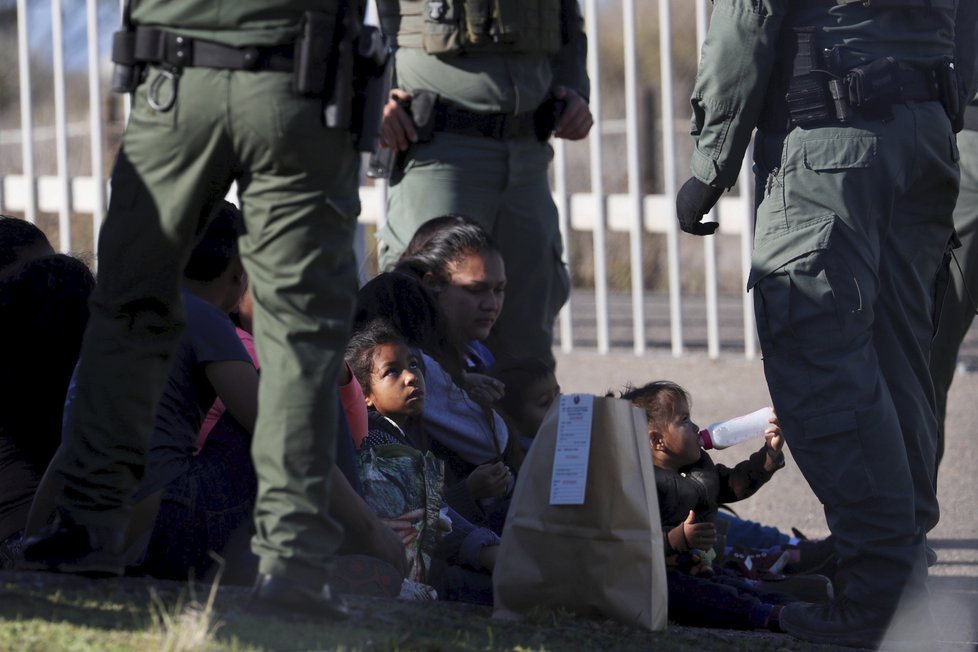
733, 385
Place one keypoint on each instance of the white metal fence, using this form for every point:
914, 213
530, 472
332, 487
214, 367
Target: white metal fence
587, 208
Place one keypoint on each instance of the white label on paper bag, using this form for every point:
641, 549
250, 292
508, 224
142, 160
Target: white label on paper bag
573, 445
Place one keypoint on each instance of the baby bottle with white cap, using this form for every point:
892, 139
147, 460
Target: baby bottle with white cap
733, 431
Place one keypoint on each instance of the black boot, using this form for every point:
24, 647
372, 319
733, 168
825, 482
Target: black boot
844, 622
66, 546
290, 599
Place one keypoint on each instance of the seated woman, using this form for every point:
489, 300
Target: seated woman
43, 313
459, 264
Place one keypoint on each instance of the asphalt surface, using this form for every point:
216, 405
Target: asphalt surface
732, 385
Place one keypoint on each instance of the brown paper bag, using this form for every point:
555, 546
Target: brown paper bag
600, 559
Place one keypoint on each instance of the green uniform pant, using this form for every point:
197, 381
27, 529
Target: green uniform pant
852, 226
958, 310
504, 186
297, 183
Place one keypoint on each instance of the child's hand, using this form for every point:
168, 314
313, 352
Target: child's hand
488, 480
405, 525
484, 389
773, 435
689, 534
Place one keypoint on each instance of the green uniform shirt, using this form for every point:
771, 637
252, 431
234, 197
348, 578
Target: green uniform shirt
743, 45
494, 82
232, 22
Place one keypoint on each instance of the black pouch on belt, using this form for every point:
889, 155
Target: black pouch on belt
949, 92
807, 97
423, 104
546, 116
313, 47
874, 84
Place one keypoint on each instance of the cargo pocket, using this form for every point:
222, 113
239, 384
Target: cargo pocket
833, 457
806, 290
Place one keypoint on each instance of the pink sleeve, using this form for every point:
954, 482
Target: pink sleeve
214, 414
351, 395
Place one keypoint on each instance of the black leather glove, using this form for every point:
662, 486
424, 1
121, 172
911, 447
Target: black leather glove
693, 201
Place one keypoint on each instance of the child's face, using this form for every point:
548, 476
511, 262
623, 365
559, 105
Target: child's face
472, 300
396, 384
675, 443
537, 398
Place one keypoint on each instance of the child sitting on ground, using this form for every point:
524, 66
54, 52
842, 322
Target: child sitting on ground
689, 487
458, 561
529, 388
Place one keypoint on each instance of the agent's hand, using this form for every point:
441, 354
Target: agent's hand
484, 389
689, 534
397, 128
576, 120
693, 201
488, 480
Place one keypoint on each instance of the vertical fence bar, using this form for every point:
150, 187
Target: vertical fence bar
562, 199
597, 181
26, 112
634, 161
61, 127
709, 243
746, 247
95, 120
669, 174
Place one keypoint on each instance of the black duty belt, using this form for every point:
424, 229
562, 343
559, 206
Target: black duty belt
501, 126
160, 47
906, 84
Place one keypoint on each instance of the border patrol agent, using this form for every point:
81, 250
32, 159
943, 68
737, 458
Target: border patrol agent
222, 92
857, 177
961, 300
481, 84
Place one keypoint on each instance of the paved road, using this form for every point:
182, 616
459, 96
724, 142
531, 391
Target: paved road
733, 385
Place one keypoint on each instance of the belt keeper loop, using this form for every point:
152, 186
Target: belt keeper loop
182, 52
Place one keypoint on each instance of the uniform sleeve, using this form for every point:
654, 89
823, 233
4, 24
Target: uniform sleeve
570, 63
743, 480
737, 59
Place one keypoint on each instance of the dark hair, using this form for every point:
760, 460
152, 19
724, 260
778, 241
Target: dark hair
424, 232
444, 241
218, 245
517, 374
15, 235
658, 399
364, 341
43, 314
408, 307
